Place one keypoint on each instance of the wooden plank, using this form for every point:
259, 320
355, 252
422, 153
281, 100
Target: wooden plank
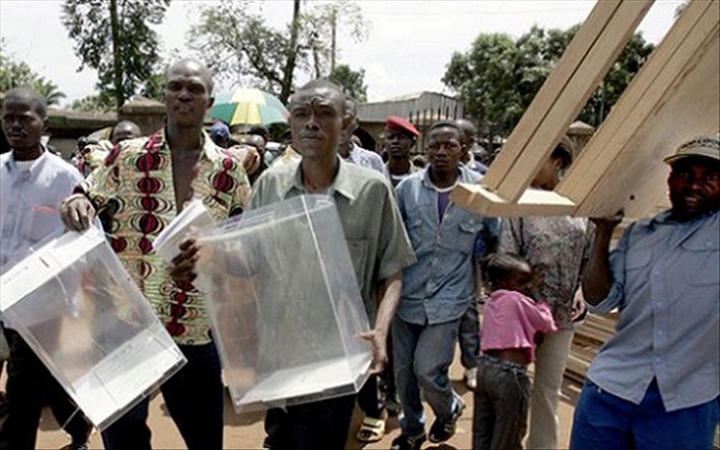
533, 202
551, 89
600, 58
690, 106
608, 140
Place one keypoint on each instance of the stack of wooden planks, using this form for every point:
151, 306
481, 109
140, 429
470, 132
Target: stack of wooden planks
589, 337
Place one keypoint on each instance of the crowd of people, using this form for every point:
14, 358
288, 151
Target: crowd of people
424, 267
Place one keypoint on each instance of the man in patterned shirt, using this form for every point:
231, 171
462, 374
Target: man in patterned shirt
145, 183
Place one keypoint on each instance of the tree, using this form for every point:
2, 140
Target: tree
18, 74
239, 46
115, 38
486, 80
94, 103
498, 77
350, 81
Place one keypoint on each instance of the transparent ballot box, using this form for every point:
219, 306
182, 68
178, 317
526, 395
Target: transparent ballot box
285, 305
78, 309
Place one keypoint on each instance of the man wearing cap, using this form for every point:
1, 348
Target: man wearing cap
400, 137
655, 384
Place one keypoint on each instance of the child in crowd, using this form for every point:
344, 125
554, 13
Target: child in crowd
511, 320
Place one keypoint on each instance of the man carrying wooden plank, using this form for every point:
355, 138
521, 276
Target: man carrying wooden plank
655, 384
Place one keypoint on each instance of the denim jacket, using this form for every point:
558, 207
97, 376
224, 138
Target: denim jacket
441, 285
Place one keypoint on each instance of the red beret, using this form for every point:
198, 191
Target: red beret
397, 123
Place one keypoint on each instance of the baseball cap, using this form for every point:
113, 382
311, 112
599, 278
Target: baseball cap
701, 146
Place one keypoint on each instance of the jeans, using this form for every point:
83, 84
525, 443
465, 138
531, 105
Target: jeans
550, 361
603, 420
30, 386
423, 354
194, 398
318, 425
502, 399
470, 336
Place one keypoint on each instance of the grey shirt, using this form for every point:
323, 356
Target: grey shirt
376, 238
666, 283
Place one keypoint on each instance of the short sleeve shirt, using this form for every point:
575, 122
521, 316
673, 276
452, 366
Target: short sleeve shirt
378, 244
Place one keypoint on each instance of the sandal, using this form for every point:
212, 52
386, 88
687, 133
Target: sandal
371, 430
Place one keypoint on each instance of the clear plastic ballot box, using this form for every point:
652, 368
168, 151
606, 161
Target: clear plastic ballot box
285, 305
78, 309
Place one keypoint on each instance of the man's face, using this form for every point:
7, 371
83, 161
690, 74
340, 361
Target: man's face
317, 118
694, 185
398, 144
444, 149
123, 133
187, 95
22, 125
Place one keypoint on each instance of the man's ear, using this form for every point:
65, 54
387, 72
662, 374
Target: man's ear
46, 124
211, 102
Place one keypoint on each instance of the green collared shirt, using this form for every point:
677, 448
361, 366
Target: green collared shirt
376, 237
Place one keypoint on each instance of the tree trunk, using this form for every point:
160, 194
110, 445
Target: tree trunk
333, 24
292, 56
117, 57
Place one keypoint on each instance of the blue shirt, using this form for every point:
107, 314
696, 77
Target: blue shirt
666, 283
441, 285
365, 158
29, 201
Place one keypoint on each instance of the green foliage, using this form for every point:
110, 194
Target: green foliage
352, 82
498, 77
115, 38
94, 103
238, 45
15, 73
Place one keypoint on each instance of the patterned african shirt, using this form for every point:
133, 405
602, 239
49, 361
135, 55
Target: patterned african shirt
558, 249
136, 184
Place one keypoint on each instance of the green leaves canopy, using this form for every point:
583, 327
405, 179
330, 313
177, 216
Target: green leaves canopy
115, 38
499, 76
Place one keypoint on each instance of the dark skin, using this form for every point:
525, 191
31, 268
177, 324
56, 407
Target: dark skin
522, 280
317, 117
23, 122
444, 150
125, 130
398, 144
187, 98
694, 185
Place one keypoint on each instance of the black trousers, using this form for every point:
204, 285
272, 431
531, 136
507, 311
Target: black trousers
30, 387
195, 399
318, 425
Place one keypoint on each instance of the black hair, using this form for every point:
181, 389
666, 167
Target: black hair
500, 267
26, 94
260, 130
447, 124
564, 152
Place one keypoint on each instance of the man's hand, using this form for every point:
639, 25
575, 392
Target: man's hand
608, 223
379, 344
182, 267
578, 306
77, 212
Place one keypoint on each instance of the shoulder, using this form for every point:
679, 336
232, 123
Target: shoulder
413, 180
468, 175
62, 168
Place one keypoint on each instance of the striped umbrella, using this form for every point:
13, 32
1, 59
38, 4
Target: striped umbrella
248, 107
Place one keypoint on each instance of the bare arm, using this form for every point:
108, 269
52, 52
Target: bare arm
389, 300
597, 277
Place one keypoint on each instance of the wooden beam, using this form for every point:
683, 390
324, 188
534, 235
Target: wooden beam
691, 106
568, 105
533, 202
608, 141
551, 89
